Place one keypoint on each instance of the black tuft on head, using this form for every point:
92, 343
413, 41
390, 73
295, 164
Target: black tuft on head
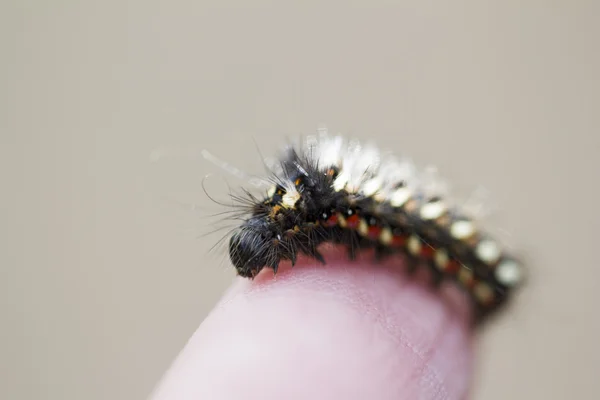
249, 247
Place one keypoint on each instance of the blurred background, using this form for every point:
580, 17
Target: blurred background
104, 272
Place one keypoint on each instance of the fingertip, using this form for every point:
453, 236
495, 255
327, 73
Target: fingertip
344, 330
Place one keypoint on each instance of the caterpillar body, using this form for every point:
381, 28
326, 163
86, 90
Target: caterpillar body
327, 189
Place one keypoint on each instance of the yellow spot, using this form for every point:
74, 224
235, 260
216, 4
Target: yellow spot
341, 181
508, 273
372, 186
433, 210
414, 244
386, 236
400, 196
289, 199
488, 251
441, 259
363, 228
462, 230
483, 293
341, 220
274, 211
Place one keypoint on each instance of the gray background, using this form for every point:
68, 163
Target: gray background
103, 277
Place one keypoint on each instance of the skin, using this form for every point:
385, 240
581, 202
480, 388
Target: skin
347, 330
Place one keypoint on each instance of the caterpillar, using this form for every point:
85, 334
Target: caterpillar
329, 189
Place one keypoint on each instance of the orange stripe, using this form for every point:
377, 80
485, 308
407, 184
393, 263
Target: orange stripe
332, 221
374, 231
399, 240
352, 221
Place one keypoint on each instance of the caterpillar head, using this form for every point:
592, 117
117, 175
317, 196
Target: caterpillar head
251, 246
280, 226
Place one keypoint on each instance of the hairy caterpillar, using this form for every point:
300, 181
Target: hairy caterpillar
329, 190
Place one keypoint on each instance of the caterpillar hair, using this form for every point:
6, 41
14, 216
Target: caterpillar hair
328, 189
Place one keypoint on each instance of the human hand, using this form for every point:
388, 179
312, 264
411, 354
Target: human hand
347, 330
